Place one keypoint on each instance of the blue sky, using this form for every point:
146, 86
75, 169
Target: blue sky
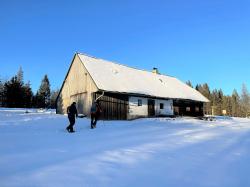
201, 41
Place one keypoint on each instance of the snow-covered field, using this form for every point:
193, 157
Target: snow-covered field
36, 151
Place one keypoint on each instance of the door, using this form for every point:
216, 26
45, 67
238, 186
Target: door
151, 107
114, 106
176, 110
79, 99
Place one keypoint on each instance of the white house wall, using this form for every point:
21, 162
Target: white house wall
167, 109
136, 111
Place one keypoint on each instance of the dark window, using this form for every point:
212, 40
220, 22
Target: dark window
197, 109
139, 102
161, 106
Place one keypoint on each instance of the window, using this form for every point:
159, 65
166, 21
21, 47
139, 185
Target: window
197, 109
188, 109
139, 102
161, 106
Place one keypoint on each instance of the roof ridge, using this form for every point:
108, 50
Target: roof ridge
138, 82
108, 61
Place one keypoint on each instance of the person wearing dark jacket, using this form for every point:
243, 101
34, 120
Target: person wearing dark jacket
95, 113
72, 114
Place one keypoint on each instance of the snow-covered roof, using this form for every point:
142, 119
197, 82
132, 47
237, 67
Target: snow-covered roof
114, 77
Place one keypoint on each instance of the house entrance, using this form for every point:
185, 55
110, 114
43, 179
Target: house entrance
79, 99
151, 107
114, 106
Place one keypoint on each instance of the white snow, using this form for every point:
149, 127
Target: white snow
114, 77
36, 151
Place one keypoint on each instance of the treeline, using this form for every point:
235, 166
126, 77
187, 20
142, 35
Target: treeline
14, 93
236, 104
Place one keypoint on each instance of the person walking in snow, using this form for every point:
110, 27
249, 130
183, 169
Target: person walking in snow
72, 114
95, 113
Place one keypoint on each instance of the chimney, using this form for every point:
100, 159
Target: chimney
155, 70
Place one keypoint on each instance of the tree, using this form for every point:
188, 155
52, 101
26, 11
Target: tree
13, 93
43, 94
1, 92
34, 100
245, 101
216, 102
227, 105
235, 99
198, 87
28, 95
189, 83
205, 91
53, 97
220, 101
20, 76
16, 93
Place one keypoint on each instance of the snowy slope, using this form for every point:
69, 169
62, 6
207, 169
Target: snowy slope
114, 77
36, 151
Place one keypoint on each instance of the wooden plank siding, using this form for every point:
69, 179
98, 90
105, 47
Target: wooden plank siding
77, 87
180, 108
114, 106
80, 87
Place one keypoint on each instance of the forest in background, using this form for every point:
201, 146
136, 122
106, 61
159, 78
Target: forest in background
14, 93
235, 105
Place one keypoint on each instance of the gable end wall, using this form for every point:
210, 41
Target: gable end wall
78, 87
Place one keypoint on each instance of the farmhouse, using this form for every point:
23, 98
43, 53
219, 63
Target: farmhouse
125, 92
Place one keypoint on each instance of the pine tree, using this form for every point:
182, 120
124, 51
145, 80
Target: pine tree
53, 97
28, 95
34, 102
220, 100
198, 87
13, 93
43, 94
216, 101
205, 91
20, 76
1, 92
189, 83
245, 101
227, 105
235, 98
